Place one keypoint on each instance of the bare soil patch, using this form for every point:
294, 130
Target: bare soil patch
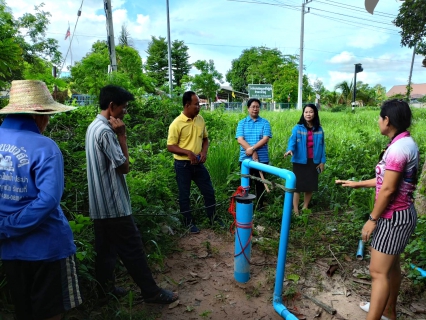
203, 275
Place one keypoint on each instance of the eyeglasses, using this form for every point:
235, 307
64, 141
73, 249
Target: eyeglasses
255, 107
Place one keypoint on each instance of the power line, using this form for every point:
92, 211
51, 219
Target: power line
362, 10
352, 16
296, 8
354, 23
375, 12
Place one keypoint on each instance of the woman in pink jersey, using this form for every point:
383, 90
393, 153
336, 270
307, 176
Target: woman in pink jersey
394, 217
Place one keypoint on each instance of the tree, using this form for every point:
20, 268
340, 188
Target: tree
263, 65
255, 65
14, 35
205, 83
35, 26
180, 62
157, 62
412, 21
91, 73
11, 56
124, 38
346, 90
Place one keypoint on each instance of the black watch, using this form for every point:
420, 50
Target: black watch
372, 219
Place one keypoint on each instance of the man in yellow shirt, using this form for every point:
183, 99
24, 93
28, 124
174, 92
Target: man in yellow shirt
189, 143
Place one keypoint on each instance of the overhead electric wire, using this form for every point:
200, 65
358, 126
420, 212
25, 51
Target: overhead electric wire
357, 24
362, 10
356, 17
270, 4
351, 6
72, 37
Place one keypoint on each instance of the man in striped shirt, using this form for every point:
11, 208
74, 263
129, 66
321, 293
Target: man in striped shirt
253, 134
115, 230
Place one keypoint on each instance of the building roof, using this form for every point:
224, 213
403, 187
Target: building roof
419, 90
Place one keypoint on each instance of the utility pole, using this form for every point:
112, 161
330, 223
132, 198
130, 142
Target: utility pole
110, 36
169, 50
411, 73
302, 30
358, 68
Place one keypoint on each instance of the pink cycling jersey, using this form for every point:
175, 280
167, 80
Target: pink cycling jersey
402, 155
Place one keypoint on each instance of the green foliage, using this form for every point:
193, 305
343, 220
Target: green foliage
24, 40
206, 82
180, 62
412, 21
263, 65
157, 63
91, 73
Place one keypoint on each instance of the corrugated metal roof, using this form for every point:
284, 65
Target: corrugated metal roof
419, 90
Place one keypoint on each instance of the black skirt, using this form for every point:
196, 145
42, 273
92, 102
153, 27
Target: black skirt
306, 176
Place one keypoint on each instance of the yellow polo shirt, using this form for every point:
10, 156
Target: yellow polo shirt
187, 134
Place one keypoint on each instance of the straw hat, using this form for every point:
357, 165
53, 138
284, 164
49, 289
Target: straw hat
33, 97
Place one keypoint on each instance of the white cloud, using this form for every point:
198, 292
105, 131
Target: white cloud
367, 40
344, 57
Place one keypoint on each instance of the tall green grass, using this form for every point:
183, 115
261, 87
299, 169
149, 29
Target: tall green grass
353, 144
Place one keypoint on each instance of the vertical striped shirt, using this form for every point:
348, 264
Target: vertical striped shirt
108, 193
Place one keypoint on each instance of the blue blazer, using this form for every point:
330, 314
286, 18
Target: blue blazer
298, 145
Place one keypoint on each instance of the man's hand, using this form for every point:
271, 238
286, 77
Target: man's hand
255, 157
203, 157
250, 151
192, 157
118, 126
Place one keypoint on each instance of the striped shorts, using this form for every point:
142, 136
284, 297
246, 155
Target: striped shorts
42, 289
391, 236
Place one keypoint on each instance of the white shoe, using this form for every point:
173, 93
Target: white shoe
366, 307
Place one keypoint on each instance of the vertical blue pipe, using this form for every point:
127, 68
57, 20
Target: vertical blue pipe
290, 183
242, 236
242, 240
360, 250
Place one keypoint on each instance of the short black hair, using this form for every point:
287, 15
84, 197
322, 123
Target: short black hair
113, 93
250, 101
398, 113
316, 120
187, 97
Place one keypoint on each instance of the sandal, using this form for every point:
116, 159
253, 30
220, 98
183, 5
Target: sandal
163, 297
366, 307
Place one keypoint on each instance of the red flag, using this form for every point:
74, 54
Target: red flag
68, 33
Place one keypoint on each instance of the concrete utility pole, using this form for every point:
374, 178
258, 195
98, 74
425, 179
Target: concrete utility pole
110, 33
169, 50
302, 30
411, 73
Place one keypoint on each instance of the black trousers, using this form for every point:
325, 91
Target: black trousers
120, 236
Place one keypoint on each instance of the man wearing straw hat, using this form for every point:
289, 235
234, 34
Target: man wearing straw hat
115, 230
36, 242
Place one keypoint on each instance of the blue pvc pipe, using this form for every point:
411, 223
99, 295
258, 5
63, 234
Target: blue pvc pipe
242, 239
290, 183
360, 250
422, 272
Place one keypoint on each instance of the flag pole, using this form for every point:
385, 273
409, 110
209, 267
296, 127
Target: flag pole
70, 45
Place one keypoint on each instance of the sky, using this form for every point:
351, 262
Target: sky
337, 34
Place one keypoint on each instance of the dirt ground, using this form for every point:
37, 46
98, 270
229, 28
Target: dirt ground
203, 275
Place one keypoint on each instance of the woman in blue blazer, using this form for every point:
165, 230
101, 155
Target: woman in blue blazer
307, 148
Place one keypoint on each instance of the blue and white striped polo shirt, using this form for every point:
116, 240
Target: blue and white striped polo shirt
108, 193
253, 131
